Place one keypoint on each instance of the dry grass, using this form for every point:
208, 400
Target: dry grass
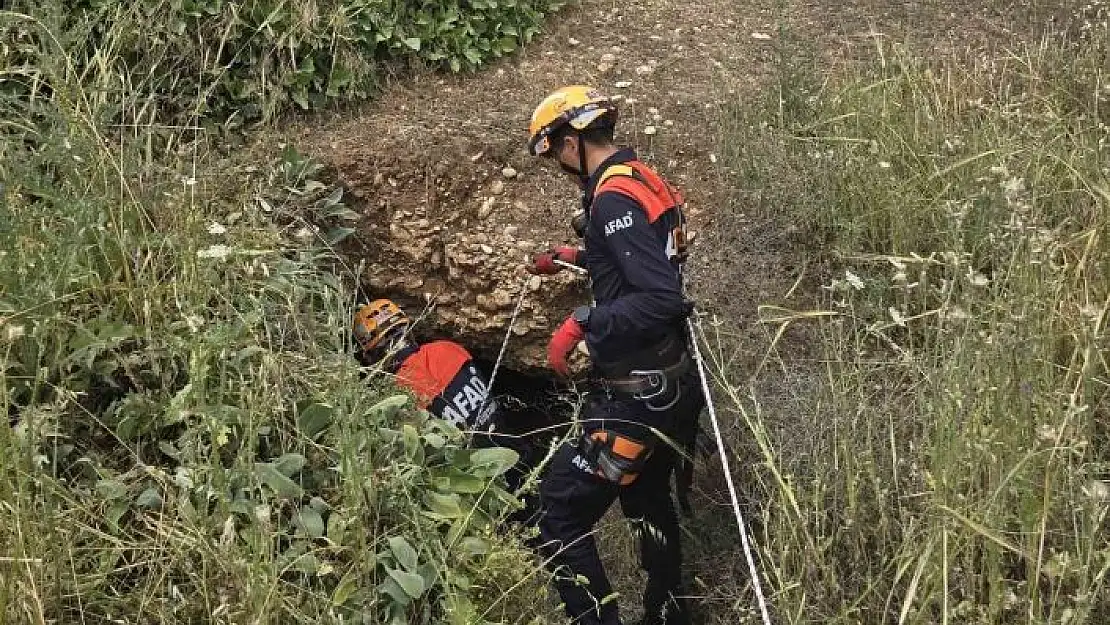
950, 464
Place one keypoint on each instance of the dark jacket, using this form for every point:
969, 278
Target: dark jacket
445, 381
637, 288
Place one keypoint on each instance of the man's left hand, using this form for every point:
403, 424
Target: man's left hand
544, 264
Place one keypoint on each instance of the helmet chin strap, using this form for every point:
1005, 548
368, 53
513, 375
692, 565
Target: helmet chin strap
582, 176
583, 173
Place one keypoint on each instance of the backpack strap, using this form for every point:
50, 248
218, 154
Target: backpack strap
647, 188
639, 182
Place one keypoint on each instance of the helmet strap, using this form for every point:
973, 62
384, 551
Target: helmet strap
582, 177
579, 223
584, 174
393, 348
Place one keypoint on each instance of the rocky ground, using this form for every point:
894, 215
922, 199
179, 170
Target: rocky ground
452, 205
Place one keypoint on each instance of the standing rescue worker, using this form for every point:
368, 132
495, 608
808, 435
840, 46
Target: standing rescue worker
445, 381
648, 398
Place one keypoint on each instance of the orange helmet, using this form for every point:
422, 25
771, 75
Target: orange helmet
577, 105
376, 321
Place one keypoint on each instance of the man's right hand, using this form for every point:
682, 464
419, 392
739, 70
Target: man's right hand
544, 264
562, 343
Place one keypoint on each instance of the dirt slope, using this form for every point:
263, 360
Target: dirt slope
444, 225
428, 161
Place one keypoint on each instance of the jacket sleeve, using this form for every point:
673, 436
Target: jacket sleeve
653, 298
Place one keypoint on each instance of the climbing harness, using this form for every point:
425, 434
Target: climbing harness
728, 474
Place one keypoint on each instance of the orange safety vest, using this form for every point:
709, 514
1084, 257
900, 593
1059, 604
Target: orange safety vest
655, 195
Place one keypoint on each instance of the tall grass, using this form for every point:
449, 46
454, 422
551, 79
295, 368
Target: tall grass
186, 438
952, 462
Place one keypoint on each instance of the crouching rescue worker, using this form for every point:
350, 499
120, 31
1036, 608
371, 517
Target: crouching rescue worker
648, 398
445, 381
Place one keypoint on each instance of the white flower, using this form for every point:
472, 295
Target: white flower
1090, 311
15, 332
194, 322
183, 477
216, 228
854, 280
896, 315
219, 251
262, 514
1013, 186
955, 312
884, 165
977, 279
1097, 490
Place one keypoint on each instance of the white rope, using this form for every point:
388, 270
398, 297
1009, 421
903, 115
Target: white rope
563, 263
505, 342
728, 475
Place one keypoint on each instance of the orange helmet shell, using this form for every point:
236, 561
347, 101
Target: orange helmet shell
577, 105
377, 320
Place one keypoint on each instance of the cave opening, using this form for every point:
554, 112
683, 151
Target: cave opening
534, 405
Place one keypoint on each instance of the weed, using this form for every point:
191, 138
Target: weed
952, 464
187, 438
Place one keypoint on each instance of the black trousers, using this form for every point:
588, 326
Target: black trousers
573, 498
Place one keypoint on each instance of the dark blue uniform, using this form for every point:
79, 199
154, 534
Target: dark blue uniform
637, 285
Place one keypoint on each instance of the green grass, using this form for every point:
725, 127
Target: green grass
952, 459
190, 440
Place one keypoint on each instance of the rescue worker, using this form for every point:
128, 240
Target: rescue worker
648, 397
446, 382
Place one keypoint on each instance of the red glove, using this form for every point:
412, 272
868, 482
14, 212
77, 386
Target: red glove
545, 263
563, 342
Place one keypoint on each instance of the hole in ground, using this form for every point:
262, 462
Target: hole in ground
535, 406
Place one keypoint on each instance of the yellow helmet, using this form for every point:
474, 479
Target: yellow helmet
577, 105
376, 321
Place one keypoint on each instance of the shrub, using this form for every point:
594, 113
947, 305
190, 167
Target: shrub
156, 62
186, 438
